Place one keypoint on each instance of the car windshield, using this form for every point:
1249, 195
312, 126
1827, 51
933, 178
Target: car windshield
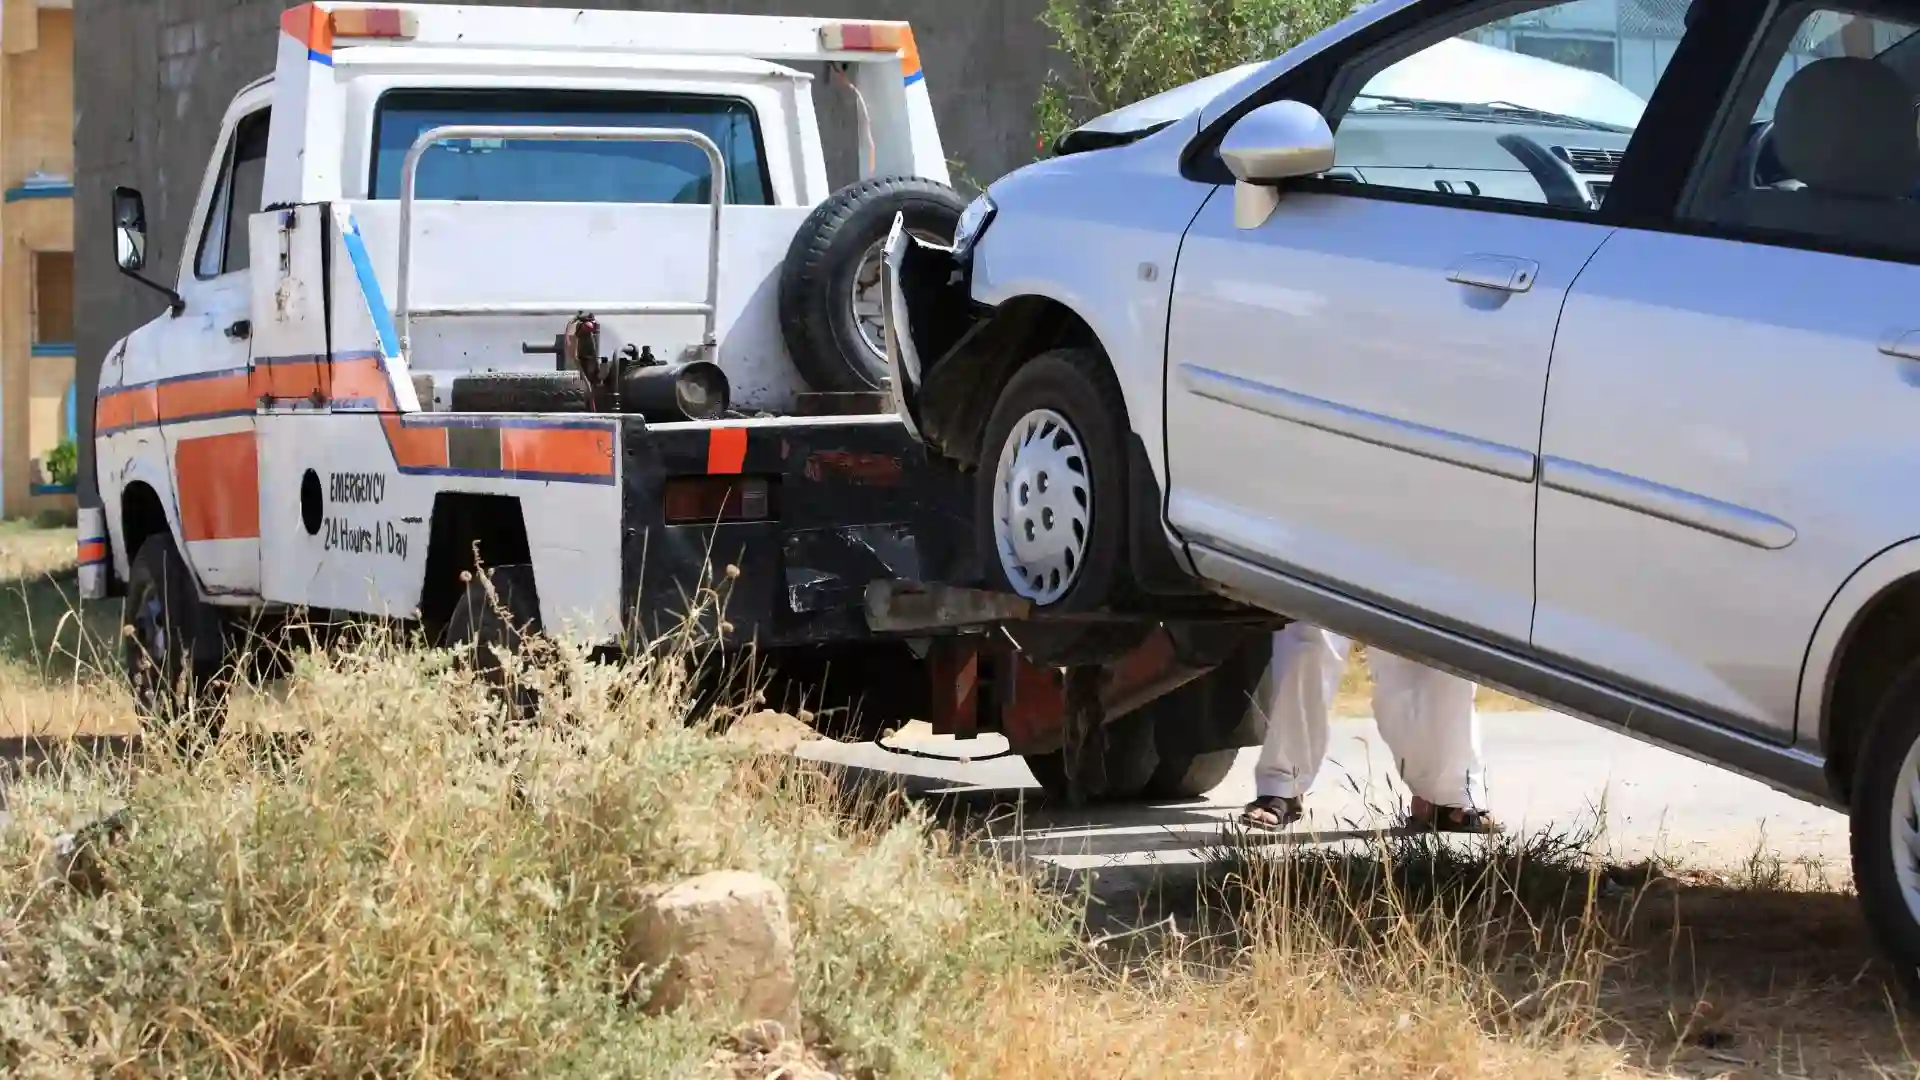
1494, 111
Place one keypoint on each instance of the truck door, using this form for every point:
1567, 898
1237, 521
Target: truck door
205, 404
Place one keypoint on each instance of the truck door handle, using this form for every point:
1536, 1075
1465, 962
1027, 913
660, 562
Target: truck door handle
240, 330
1903, 344
1502, 273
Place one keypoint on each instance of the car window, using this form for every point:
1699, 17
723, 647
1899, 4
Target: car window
1532, 108
236, 197
494, 170
1824, 143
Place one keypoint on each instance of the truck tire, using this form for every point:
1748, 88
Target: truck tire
833, 265
1050, 504
1147, 755
521, 392
1884, 823
172, 648
490, 626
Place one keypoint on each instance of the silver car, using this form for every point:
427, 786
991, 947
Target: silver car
1582, 360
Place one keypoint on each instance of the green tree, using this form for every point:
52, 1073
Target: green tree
1117, 52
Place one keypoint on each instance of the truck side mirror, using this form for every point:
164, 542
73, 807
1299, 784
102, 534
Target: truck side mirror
129, 229
130, 243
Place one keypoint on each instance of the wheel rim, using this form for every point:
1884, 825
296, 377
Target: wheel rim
1042, 506
867, 301
1905, 830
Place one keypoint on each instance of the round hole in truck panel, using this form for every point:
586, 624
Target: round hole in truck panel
311, 505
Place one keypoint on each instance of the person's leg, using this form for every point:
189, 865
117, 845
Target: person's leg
1302, 679
1428, 721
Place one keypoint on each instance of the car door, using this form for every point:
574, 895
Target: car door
1730, 423
205, 403
1355, 387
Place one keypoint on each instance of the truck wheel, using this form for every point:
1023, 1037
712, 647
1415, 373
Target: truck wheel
1050, 501
521, 392
830, 301
493, 624
1156, 753
1190, 776
1129, 761
172, 647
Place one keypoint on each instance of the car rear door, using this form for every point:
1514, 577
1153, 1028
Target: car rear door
1730, 422
1355, 387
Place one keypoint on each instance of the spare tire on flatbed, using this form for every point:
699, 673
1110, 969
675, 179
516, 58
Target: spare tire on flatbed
839, 245
521, 392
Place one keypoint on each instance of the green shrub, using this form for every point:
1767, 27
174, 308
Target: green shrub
1122, 51
63, 464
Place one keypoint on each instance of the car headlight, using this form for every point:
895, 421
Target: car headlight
973, 224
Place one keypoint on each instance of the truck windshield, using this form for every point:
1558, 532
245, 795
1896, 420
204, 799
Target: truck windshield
488, 170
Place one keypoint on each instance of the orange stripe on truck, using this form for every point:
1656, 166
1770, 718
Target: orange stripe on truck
219, 485
557, 452
309, 26
726, 451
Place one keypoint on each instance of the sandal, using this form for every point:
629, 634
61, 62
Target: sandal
1271, 812
1453, 819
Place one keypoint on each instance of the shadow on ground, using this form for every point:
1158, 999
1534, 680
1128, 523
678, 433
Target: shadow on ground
1767, 972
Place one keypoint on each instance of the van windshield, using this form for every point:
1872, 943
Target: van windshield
492, 170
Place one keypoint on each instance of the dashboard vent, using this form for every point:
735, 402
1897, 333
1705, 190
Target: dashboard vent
1593, 162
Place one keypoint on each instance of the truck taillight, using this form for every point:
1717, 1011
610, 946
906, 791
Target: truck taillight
711, 500
374, 23
865, 37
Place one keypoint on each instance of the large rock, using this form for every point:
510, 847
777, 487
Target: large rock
720, 943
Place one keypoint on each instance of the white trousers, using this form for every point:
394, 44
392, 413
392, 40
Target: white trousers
1426, 718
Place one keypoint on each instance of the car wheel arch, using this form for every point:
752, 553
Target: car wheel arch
1862, 642
961, 391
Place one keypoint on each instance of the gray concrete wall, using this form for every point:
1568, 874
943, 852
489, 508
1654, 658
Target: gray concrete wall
152, 78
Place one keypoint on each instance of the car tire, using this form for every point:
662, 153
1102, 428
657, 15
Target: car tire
1070, 421
820, 280
173, 648
1886, 811
522, 392
490, 625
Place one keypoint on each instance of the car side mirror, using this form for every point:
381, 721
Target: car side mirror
129, 230
1275, 142
130, 243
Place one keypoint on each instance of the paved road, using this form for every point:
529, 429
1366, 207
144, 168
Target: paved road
1544, 771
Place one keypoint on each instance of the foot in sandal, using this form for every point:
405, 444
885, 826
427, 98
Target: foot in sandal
1452, 819
1271, 812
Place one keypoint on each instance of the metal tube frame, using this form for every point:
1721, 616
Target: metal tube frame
403, 310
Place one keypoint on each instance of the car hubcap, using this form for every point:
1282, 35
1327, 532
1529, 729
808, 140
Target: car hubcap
1905, 832
1042, 506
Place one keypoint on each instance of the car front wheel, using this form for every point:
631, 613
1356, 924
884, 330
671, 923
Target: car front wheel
1051, 504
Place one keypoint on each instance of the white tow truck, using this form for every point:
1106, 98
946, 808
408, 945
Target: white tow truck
566, 295
568, 288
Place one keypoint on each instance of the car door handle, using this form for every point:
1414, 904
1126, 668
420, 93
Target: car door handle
1903, 344
1502, 273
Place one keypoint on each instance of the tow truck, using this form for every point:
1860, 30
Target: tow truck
502, 320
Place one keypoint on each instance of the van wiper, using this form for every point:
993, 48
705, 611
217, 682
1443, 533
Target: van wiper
1492, 110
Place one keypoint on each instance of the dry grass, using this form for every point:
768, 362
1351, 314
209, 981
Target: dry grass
414, 890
